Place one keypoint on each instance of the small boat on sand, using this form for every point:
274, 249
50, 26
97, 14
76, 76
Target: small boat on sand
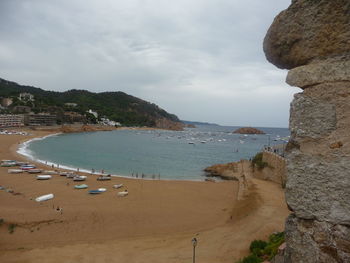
51, 172
27, 167
124, 193
44, 197
104, 178
8, 163
71, 175
43, 177
102, 189
34, 171
94, 192
79, 178
81, 186
116, 186
15, 171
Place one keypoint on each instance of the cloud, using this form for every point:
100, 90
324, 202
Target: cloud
201, 60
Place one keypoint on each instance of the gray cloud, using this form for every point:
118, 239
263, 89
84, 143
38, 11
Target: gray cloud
201, 60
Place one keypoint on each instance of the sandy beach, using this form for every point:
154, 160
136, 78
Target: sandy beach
154, 223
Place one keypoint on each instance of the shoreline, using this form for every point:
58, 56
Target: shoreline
56, 166
156, 221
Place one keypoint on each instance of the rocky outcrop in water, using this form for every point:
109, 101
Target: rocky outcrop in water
312, 38
248, 130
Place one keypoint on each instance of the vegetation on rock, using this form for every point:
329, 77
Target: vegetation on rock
258, 162
261, 250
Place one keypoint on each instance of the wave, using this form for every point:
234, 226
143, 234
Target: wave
24, 150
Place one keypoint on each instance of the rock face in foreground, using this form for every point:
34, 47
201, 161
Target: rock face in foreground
312, 38
308, 31
248, 130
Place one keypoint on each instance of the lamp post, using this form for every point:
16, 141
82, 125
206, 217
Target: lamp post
194, 244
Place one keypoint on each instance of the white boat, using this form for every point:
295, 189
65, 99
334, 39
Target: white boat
79, 178
43, 177
15, 171
116, 186
102, 189
71, 175
44, 197
124, 193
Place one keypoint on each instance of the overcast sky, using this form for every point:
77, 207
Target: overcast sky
199, 59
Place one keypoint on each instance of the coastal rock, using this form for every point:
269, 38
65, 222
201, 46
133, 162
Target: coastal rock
248, 130
325, 71
311, 117
167, 124
225, 171
318, 187
308, 30
316, 242
313, 39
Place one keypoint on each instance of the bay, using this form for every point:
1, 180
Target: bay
173, 155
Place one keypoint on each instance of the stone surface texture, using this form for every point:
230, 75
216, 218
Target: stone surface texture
312, 38
309, 30
316, 73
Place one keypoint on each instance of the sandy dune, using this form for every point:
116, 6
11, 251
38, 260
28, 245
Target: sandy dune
154, 223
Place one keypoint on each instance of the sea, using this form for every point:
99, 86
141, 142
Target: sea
151, 154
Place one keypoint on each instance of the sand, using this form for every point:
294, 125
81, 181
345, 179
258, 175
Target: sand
154, 223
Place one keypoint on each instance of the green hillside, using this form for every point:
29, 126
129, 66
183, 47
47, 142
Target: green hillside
117, 106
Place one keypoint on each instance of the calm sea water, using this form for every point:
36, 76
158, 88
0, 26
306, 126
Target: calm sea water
170, 154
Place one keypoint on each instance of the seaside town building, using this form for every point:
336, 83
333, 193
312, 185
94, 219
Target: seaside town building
70, 104
26, 97
21, 109
73, 117
108, 122
11, 120
40, 120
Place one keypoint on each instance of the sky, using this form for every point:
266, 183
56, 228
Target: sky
199, 59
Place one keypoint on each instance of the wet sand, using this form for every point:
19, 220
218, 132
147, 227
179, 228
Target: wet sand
154, 223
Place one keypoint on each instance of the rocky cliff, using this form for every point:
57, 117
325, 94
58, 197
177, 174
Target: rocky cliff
312, 39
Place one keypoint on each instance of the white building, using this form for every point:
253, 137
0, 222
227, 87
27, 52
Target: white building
108, 122
26, 97
71, 104
93, 113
